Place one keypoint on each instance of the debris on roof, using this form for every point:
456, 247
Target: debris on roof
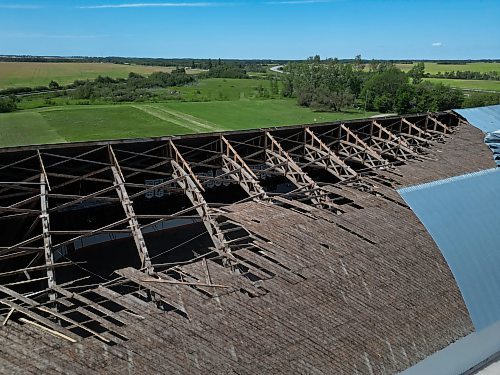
284, 250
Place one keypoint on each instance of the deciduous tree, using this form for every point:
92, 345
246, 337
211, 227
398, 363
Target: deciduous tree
417, 73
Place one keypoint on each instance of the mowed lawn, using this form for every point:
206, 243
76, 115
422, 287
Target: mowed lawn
468, 84
66, 124
31, 74
24, 128
433, 68
259, 113
106, 122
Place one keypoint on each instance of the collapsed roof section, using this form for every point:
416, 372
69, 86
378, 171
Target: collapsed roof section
237, 246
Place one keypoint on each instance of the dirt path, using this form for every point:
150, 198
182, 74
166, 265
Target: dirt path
206, 125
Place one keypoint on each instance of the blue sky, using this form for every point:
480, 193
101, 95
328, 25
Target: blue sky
293, 29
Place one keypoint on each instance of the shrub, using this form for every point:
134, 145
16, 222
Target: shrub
53, 85
7, 105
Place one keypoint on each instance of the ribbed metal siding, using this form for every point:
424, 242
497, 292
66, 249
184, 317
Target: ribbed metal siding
485, 118
488, 120
462, 214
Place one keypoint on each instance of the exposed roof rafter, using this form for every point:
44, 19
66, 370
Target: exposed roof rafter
318, 153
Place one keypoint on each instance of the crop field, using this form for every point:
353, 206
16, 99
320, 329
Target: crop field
22, 74
468, 84
103, 122
434, 68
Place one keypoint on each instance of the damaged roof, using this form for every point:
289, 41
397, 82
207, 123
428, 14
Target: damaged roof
283, 250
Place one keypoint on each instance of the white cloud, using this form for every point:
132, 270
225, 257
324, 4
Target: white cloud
437, 44
150, 5
195, 4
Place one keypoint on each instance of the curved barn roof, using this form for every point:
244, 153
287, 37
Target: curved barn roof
461, 214
284, 250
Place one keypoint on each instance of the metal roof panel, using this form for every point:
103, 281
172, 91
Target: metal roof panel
485, 118
462, 215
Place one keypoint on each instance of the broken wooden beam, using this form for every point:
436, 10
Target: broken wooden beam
47, 239
279, 160
135, 228
318, 153
246, 178
352, 147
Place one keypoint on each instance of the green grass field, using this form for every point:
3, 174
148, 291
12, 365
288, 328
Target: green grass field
17, 74
468, 84
258, 113
86, 123
434, 68
206, 90
214, 89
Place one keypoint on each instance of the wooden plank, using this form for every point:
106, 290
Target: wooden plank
278, 270
174, 282
171, 294
46, 310
84, 300
36, 268
51, 331
40, 319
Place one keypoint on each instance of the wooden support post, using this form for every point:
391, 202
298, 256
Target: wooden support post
47, 239
352, 147
439, 126
318, 153
280, 161
135, 228
235, 166
191, 190
387, 143
415, 135
179, 159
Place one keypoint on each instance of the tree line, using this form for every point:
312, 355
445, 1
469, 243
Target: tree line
187, 61
205, 64
329, 85
53, 85
467, 74
135, 88
226, 70
141, 88
333, 86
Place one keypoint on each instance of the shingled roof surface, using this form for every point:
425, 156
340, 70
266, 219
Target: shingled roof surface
313, 286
